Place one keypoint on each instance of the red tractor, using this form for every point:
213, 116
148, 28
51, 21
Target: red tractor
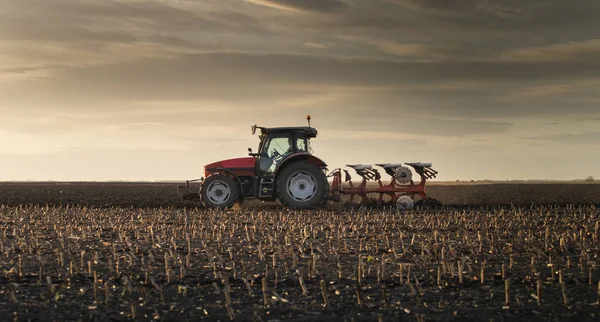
285, 169
282, 169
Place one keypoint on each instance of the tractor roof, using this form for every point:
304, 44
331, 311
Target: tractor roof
310, 132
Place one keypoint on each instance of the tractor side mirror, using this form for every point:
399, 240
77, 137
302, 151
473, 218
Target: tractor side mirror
253, 129
252, 154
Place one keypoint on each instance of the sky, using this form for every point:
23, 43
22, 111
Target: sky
155, 89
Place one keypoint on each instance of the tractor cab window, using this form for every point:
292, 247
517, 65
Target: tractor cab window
301, 144
277, 148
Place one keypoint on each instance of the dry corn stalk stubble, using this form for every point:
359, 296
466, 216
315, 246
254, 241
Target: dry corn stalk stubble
234, 263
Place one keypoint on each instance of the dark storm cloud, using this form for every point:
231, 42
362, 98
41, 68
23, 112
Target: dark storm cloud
115, 22
451, 74
157, 13
466, 30
238, 69
305, 5
469, 29
436, 4
536, 13
452, 99
76, 9
60, 32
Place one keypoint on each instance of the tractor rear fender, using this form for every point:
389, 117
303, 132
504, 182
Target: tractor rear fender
304, 156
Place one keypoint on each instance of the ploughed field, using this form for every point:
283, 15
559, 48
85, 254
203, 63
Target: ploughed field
97, 252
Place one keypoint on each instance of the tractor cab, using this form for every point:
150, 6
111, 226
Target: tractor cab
277, 144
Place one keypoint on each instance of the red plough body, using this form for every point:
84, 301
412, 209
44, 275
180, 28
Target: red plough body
398, 186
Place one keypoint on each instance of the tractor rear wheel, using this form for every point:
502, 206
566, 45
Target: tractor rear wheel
301, 185
219, 191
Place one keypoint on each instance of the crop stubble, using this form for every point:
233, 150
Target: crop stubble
75, 262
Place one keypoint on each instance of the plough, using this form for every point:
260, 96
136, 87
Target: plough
401, 188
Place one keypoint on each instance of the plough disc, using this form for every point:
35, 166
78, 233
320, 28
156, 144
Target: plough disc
405, 203
403, 175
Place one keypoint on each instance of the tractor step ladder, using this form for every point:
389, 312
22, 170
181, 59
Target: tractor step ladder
266, 186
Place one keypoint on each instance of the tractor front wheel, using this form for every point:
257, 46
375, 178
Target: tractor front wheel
301, 185
219, 191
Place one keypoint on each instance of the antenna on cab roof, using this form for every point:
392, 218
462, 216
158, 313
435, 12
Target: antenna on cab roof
308, 119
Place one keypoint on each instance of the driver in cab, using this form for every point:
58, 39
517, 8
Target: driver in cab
291, 148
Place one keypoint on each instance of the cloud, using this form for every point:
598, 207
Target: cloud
127, 15
245, 69
314, 45
405, 122
501, 9
321, 6
582, 51
584, 138
473, 28
244, 82
419, 52
27, 70
546, 91
79, 32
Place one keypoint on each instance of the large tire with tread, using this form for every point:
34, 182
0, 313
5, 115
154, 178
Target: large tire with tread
301, 185
219, 191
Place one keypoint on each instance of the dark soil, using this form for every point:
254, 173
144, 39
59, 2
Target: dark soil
93, 194
155, 258
516, 194
141, 195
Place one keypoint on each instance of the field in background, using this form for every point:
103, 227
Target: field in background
140, 194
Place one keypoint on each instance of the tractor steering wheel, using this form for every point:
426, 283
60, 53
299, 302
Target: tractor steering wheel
276, 156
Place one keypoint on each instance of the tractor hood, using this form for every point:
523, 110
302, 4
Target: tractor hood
245, 164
